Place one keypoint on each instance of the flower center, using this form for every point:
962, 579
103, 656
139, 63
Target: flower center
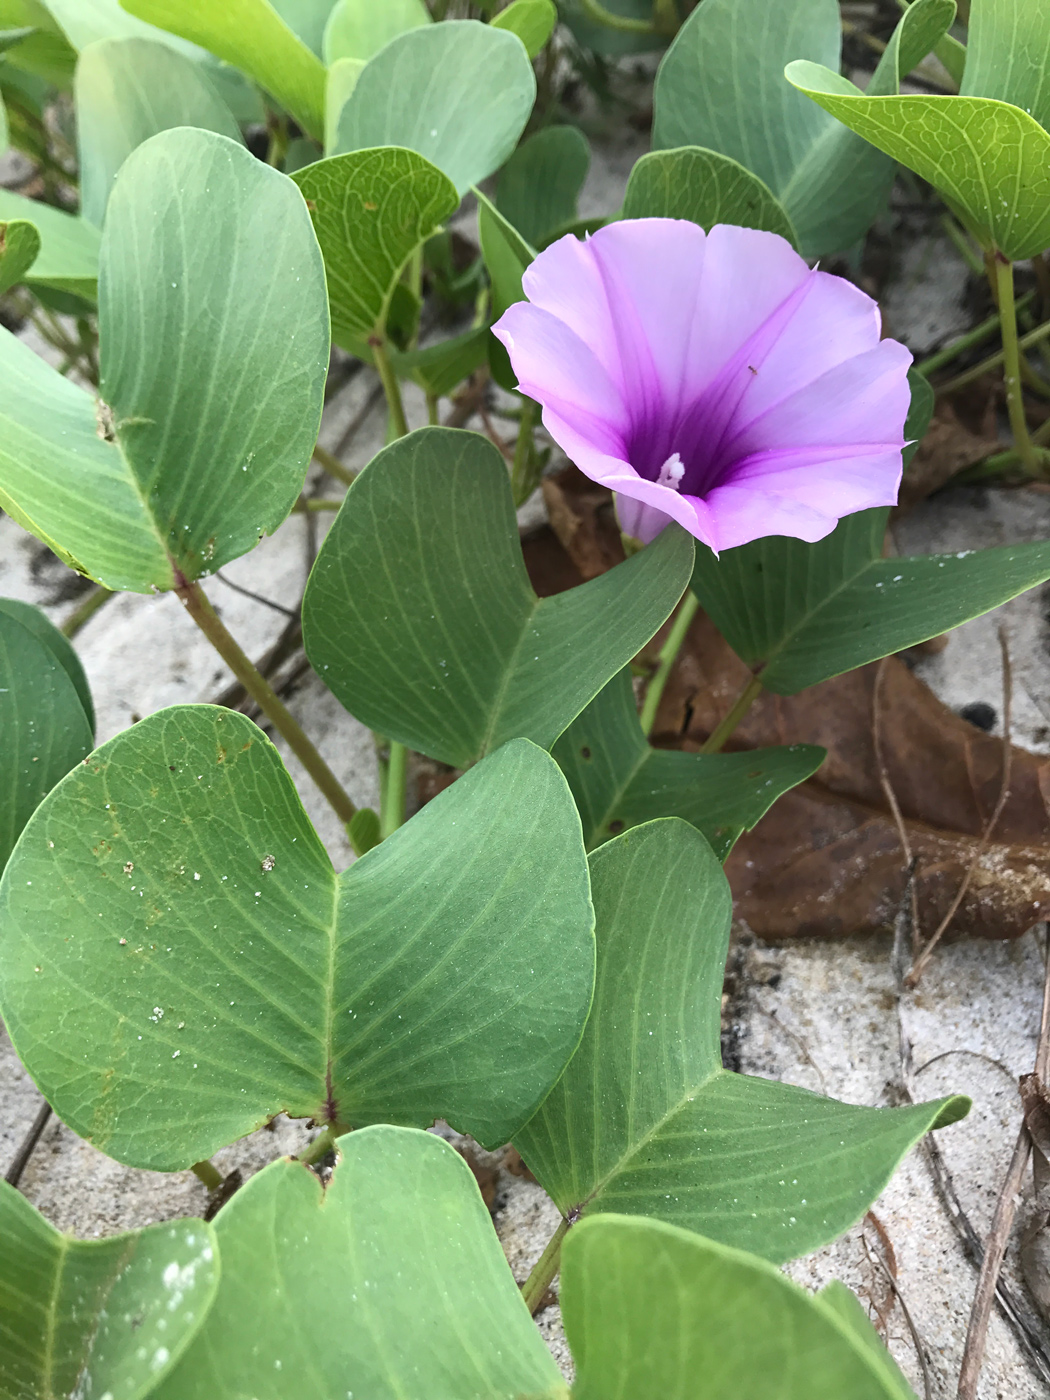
671, 472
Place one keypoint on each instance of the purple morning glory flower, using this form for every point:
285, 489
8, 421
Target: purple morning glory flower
711, 379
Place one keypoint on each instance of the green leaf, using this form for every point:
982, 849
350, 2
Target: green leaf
84, 22
920, 29
69, 247
4, 133
214, 970
420, 617
506, 255
342, 79
437, 369
805, 612
19, 249
251, 35
991, 161
705, 187
389, 1282
1008, 56
308, 20
656, 1313
360, 28
9, 38
645, 1120
619, 781
459, 93
835, 1298
58, 644
532, 21
208, 426
540, 184
721, 86
127, 90
603, 39
371, 210
45, 727
97, 1317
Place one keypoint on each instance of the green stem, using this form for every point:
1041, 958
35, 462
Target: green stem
391, 388
963, 245
195, 601
965, 342
432, 410
534, 1289
392, 802
993, 361
593, 9
334, 467
305, 504
1004, 286
747, 697
209, 1173
85, 610
521, 480
665, 661
322, 1144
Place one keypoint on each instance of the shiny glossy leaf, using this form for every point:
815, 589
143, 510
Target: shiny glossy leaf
202, 967
420, 617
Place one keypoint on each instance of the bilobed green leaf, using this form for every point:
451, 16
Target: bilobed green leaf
360, 28
86, 21
722, 86
991, 161
437, 369
619, 781
656, 1313
540, 184
705, 187
45, 727
646, 1121
459, 93
805, 612
420, 617
69, 247
251, 35
97, 1317
19, 249
57, 643
213, 970
918, 32
1008, 56
127, 90
532, 21
204, 428
506, 255
389, 1282
371, 210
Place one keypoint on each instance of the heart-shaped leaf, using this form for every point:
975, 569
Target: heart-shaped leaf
532, 21
445, 647
127, 90
459, 93
991, 161
645, 1120
19, 249
360, 28
69, 247
657, 1313
205, 427
97, 1317
252, 36
704, 187
371, 210
619, 781
721, 85
388, 1282
45, 726
801, 613
173, 935
540, 184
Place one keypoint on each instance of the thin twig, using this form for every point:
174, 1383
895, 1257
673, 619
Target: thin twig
1002, 1223
803, 1049
889, 1267
14, 1172
920, 963
255, 597
891, 798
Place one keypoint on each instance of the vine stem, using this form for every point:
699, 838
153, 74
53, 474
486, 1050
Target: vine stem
209, 1173
520, 480
973, 337
85, 610
593, 9
668, 656
743, 702
392, 800
195, 601
967, 376
391, 388
333, 466
534, 1289
1025, 448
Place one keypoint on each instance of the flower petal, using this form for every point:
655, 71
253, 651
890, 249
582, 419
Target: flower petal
742, 515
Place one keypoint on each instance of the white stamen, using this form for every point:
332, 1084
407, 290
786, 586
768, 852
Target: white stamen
671, 472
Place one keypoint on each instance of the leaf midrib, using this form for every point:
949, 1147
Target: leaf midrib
509, 672
806, 618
